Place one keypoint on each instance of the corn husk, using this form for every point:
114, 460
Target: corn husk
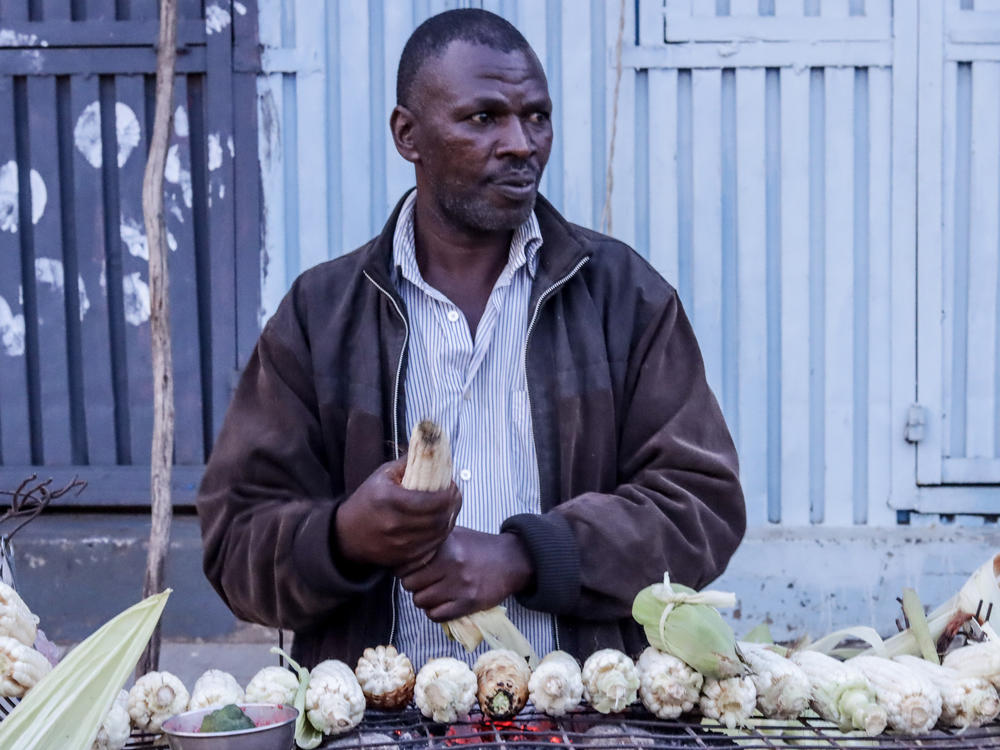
307, 736
65, 709
686, 623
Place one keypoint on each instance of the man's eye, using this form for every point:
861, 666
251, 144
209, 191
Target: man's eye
482, 118
539, 117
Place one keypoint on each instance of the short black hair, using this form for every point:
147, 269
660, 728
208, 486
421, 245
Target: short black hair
431, 38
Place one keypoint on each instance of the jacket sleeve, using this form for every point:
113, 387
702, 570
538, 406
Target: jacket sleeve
265, 503
678, 506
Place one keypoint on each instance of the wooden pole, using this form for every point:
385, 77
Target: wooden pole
161, 462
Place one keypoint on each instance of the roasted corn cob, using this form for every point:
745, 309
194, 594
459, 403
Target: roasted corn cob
116, 727
610, 681
386, 677
841, 693
965, 701
272, 685
782, 687
16, 620
334, 701
730, 701
977, 660
556, 685
502, 683
154, 698
21, 667
912, 703
667, 686
215, 688
445, 689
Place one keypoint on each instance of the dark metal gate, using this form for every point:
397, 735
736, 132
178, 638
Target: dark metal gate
76, 108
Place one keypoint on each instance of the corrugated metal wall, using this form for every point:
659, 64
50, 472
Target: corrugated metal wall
765, 163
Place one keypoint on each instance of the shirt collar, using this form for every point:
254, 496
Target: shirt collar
524, 246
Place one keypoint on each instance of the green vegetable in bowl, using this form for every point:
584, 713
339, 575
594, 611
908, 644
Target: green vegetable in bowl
229, 718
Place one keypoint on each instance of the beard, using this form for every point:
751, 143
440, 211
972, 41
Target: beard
474, 210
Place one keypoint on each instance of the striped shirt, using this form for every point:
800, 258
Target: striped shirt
477, 391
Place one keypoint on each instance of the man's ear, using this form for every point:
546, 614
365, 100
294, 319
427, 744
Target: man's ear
403, 125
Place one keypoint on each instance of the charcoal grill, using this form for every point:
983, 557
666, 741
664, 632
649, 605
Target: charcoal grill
636, 728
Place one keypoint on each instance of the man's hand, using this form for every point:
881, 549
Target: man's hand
471, 571
384, 524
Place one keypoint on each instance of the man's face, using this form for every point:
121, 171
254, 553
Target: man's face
482, 134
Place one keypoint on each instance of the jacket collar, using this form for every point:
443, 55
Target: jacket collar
561, 248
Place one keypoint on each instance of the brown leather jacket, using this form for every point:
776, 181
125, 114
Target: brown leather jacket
638, 470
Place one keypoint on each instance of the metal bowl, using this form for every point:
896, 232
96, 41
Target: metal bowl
277, 733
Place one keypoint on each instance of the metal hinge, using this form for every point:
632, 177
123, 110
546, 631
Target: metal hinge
916, 418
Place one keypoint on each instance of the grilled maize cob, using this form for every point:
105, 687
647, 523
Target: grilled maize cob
610, 681
667, 686
115, 728
16, 620
272, 685
334, 701
386, 677
445, 689
977, 660
154, 698
782, 687
912, 703
965, 701
502, 678
730, 701
556, 685
21, 667
841, 693
215, 688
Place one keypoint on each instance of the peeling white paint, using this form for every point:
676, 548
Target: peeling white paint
9, 197
232, 147
11, 38
133, 234
81, 289
214, 151
176, 212
171, 242
102, 279
136, 298
34, 561
181, 125
11, 331
49, 271
174, 173
240, 8
87, 133
222, 191
216, 19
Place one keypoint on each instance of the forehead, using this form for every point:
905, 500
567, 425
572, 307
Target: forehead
467, 70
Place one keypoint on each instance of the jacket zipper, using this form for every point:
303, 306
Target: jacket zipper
395, 427
527, 387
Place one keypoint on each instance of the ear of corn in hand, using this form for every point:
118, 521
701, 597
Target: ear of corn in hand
386, 678
428, 469
215, 688
610, 681
685, 623
667, 686
783, 689
730, 700
912, 703
841, 693
556, 684
445, 689
502, 683
16, 619
965, 701
272, 685
334, 700
154, 698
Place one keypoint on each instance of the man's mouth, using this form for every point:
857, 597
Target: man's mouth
517, 186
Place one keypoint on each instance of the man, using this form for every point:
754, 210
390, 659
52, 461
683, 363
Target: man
590, 454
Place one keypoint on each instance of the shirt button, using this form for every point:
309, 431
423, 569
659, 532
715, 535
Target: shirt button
453, 315
465, 475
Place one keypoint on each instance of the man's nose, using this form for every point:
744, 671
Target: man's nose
516, 139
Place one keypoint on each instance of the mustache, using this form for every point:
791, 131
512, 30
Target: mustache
518, 170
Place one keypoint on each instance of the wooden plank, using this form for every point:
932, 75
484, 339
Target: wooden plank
707, 312
795, 440
880, 427
221, 226
954, 248
531, 22
956, 500
185, 306
100, 60
879, 9
399, 23
274, 279
984, 245
130, 97
662, 216
108, 485
931, 108
744, 8
14, 10
576, 107
102, 10
47, 241
757, 55
764, 29
56, 10
834, 9
15, 422
751, 269
972, 52
973, 27
972, 470
839, 297
652, 22
99, 407
355, 106
788, 8
55, 34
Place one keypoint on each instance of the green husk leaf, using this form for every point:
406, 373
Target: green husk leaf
760, 634
306, 735
65, 709
694, 633
914, 612
493, 626
828, 643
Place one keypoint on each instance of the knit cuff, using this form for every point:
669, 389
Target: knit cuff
554, 554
